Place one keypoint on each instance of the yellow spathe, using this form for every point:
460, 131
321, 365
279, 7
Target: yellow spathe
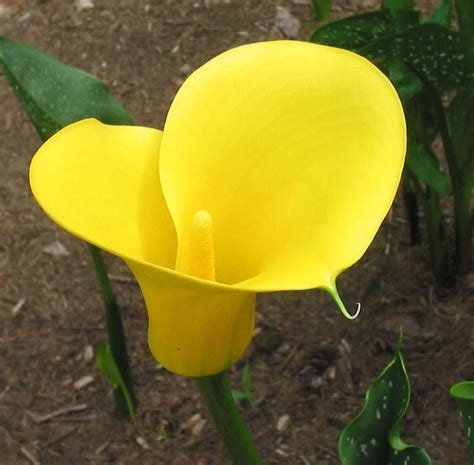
294, 150
195, 329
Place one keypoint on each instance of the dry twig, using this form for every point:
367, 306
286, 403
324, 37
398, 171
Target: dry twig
61, 436
17, 307
62, 411
289, 357
29, 456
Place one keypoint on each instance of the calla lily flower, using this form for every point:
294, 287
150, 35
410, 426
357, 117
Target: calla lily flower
276, 166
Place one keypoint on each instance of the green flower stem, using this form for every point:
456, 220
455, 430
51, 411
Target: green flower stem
463, 219
430, 200
461, 195
465, 11
436, 234
435, 230
411, 206
116, 335
217, 395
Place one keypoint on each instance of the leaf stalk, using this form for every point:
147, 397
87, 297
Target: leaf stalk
116, 335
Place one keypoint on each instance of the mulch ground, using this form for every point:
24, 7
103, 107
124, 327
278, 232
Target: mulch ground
307, 362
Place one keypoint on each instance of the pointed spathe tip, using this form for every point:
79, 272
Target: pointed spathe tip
337, 298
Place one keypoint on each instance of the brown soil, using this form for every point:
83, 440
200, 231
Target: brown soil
307, 361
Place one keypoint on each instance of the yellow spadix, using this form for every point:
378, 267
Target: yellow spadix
276, 166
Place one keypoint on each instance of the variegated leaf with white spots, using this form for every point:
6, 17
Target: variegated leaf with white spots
54, 94
373, 437
464, 394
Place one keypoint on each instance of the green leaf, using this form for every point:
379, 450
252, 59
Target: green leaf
425, 167
424, 120
356, 31
359, 31
405, 81
435, 53
402, 13
397, 4
322, 9
464, 394
257, 401
460, 116
443, 14
373, 438
465, 10
54, 94
246, 392
246, 383
239, 395
105, 363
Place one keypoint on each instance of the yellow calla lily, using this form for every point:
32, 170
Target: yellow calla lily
276, 166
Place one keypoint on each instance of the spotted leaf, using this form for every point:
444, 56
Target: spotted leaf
54, 94
397, 4
359, 31
435, 53
356, 31
464, 394
373, 437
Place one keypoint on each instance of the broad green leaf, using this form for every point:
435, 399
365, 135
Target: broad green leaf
464, 394
373, 438
405, 19
359, 31
105, 363
402, 13
423, 164
397, 4
54, 94
443, 14
461, 123
405, 81
322, 9
432, 51
356, 31
424, 119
